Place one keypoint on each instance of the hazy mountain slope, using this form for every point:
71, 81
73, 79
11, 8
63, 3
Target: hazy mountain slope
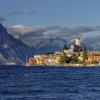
12, 48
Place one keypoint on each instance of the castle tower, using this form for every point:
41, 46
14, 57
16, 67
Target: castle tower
77, 41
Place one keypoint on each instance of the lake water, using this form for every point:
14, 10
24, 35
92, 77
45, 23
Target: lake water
49, 83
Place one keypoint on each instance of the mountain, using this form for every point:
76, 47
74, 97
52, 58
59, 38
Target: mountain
20, 42
13, 49
45, 39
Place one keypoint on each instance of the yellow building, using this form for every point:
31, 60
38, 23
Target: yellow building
52, 59
93, 57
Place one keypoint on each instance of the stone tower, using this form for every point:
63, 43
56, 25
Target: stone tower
77, 41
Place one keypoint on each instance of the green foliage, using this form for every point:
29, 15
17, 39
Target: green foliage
80, 62
49, 53
85, 55
94, 62
64, 58
74, 60
61, 62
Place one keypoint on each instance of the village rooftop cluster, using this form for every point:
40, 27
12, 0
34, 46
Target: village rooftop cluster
76, 55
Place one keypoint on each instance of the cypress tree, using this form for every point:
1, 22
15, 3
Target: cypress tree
85, 56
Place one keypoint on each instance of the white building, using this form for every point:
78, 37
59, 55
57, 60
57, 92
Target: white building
77, 41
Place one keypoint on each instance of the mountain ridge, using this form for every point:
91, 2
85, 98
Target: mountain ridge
12, 48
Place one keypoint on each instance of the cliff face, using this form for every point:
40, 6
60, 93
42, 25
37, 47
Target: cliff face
13, 49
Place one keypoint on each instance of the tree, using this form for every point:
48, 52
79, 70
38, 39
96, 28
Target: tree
64, 58
95, 62
48, 53
74, 60
85, 56
61, 61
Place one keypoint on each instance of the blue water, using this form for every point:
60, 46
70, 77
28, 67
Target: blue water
49, 83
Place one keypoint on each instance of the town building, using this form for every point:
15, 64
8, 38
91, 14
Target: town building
52, 59
77, 41
93, 57
74, 51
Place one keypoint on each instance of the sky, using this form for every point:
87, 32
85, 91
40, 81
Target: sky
69, 13
34, 21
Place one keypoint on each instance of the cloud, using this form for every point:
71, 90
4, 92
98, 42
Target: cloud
13, 13
2, 19
33, 12
26, 30
92, 42
33, 36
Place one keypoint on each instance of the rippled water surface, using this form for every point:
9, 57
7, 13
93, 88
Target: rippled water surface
49, 83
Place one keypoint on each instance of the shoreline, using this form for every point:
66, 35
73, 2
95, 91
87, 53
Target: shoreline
67, 65
59, 66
